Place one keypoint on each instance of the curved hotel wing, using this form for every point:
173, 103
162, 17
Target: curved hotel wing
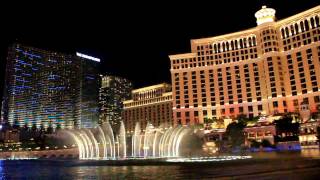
268, 69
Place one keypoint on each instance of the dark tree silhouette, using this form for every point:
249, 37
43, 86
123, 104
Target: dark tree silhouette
235, 134
286, 130
255, 144
266, 143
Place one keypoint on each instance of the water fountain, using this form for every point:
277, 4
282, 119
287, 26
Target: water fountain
101, 143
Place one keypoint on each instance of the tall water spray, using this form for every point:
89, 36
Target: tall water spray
157, 142
101, 143
136, 141
122, 141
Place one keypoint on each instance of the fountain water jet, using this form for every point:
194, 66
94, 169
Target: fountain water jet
101, 143
122, 141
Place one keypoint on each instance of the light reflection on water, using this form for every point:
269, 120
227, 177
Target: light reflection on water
308, 153
62, 170
311, 153
1, 169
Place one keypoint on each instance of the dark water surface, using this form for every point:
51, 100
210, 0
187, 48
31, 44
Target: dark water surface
296, 165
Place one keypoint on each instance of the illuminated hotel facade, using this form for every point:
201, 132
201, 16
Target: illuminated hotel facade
113, 91
49, 89
268, 69
151, 104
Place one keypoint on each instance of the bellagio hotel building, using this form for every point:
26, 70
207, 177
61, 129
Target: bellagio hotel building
269, 69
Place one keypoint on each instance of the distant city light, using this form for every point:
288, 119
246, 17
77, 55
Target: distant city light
88, 57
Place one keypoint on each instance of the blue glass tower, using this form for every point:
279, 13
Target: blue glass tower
48, 89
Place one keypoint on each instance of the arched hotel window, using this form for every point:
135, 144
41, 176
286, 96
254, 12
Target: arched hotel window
236, 44
302, 26
282, 33
312, 23
292, 30
227, 44
232, 45
254, 40
287, 32
241, 43
218, 47
250, 41
223, 47
317, 21
245, 42
306, 25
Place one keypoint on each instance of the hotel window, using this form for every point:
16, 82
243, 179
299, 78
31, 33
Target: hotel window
275, 104
187, 114
204, 113
259, 134
251, 135
284, 103
214, 112
268, 133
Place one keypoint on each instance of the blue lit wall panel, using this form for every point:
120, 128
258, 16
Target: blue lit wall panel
42, 88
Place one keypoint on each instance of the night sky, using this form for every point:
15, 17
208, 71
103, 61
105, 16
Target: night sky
132, 39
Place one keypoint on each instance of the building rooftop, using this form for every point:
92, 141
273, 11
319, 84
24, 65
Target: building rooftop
148, 88
264, 15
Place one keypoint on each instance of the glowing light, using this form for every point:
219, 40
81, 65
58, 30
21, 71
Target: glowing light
88, 57
265, 15
208, 159
19, 158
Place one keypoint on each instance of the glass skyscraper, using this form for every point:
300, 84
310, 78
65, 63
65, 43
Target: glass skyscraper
114, 90
50, 89
89, 92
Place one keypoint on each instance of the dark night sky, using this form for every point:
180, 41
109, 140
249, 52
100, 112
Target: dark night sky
133, 39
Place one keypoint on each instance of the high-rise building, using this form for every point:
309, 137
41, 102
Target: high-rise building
113, 91
4, 110
90, 80
44, 88
151, 104
268, 69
